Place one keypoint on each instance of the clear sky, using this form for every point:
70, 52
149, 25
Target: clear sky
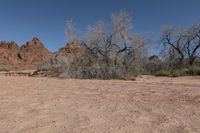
21, 20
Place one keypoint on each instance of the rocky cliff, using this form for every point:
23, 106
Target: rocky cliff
27, 56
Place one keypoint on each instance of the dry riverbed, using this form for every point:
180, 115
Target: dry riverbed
149, 104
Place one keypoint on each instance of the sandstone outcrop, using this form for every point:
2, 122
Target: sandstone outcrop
27, 56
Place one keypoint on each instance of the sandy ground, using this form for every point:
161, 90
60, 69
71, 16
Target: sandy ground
147, 105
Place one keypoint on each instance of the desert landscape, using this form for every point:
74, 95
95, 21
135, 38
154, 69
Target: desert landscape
149, 104
100, 66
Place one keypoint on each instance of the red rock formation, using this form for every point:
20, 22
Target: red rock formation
9, 54
28, 56
75, 47
33, 53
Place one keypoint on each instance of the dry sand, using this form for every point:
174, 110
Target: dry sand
149, 104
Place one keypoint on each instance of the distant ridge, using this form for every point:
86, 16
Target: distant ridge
27, 56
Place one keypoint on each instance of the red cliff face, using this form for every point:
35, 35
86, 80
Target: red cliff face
33, 53
28, 56
9, 54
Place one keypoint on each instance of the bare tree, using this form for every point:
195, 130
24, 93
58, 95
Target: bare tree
71, 33
96, 37
192, 44
182, 44
110, 52
122, 30
118, 47
172, 41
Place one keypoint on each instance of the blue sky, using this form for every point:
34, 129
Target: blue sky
21, 20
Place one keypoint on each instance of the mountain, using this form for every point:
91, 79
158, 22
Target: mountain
27, 56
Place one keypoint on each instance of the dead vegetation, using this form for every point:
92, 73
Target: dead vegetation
118, 53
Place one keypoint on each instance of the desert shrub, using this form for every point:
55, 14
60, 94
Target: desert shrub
91, 66
178, 72
190, 71
169, 73
3, 69
99, 72
152, 68
44, 67
193, 71
162, 73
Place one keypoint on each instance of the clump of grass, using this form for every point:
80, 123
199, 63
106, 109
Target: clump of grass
3, 69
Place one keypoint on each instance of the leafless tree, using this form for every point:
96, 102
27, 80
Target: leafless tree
182, 44
192, 44
96, 38
71, 33
110, 51
122, 30
119, 46
172, 41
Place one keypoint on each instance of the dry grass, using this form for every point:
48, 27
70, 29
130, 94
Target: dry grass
149, 104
